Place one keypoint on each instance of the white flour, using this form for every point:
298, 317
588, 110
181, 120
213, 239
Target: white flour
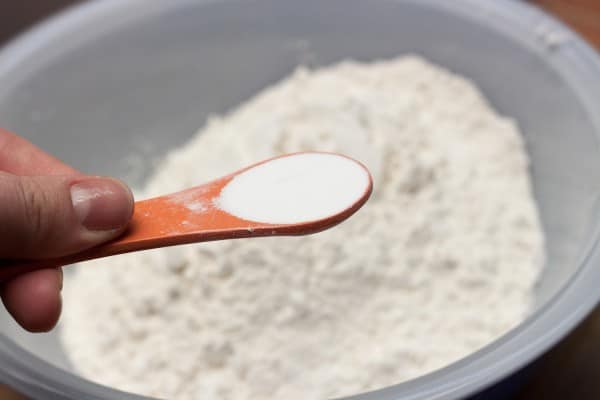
298, 188
441, 261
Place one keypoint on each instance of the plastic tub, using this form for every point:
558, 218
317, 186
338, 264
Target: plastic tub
120, 77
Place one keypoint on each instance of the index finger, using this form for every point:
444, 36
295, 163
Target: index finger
21, 157
33, 299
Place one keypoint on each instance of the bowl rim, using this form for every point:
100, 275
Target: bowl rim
518, 20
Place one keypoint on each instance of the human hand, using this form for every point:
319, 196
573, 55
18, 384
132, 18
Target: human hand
48, 209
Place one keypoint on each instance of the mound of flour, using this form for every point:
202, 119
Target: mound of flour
441, 261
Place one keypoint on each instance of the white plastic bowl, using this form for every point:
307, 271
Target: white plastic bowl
118, 77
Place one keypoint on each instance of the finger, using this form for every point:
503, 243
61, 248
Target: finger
51, 216
20, 157
34, 299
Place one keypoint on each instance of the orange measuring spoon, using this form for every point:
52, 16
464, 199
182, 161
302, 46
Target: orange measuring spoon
193, 215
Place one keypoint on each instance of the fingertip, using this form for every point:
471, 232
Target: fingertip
102, 204
34, 299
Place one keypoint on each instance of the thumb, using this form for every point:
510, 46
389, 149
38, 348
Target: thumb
52, 216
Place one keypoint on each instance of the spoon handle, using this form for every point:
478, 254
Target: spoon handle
180, 218
149, 229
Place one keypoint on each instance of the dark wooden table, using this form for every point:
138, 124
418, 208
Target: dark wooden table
572, 369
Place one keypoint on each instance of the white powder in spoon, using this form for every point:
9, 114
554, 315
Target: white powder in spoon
294, 189
441, 261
